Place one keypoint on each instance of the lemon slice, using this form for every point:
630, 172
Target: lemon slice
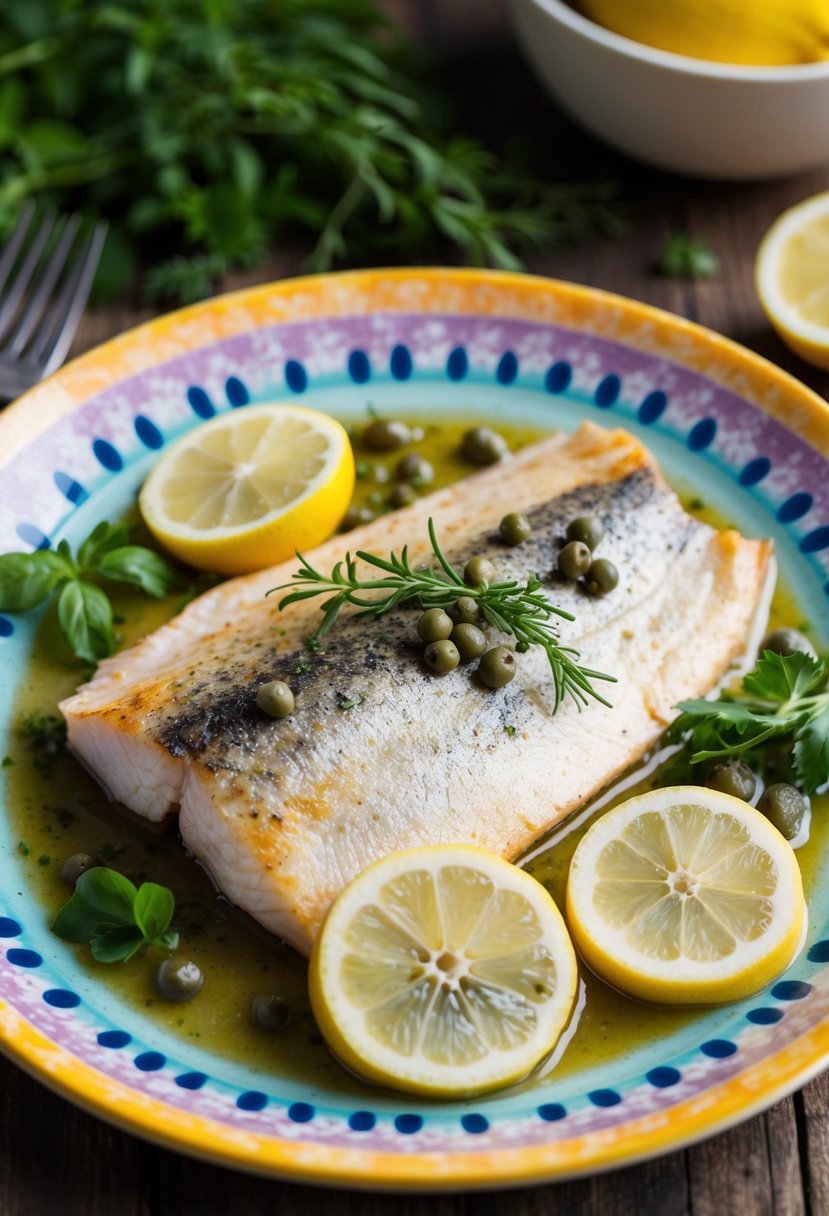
248, 488
685, 896
443, 970
792, 277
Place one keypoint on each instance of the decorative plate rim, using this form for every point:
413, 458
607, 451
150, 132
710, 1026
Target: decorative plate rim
500, 296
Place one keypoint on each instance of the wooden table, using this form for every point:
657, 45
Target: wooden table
55, 1159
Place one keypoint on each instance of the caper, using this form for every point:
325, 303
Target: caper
515, 528
434, 625
270, 1013
76, 865
465, 611
414, 468
470, 641
442, 656
355, 516
785, 807
587, 528
179, 979
601, 577
787, 641
479, 570
575, 559
385, 434
732, 777
482, 445
497, 667
275, 699
402, 495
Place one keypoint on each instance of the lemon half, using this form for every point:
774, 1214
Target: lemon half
685, 895
791, 273
250, 487
444, 971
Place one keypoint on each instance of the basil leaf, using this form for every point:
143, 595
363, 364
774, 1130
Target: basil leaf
85, 616
26, 579
103, 537
153, 909
139, 566
115, 943
109, 893
77, 920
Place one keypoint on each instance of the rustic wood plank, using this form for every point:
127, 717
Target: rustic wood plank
813, 1106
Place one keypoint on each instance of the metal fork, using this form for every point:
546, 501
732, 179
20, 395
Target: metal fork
46, 272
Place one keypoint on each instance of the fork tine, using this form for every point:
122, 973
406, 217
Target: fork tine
12, 249
41, 295
14, 295
59, 323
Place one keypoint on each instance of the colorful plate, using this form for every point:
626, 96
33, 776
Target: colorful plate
722, 421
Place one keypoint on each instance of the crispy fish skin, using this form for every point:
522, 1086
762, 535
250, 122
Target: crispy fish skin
379, 754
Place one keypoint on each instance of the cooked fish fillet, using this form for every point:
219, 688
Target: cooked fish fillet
284, 812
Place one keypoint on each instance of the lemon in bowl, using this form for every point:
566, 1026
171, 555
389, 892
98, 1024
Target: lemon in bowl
248, 488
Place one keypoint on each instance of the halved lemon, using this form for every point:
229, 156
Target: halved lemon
443, 970
791, 273
685, 896
250, 487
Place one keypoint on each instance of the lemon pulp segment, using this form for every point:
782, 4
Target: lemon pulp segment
685, 895
443, 970
248, 488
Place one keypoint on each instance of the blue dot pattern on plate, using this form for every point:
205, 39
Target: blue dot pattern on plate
400, 362
300, 1112
507, 368
191, 1080
765, 1016
664, 1076
6, 627
604, 1097
236, 391
702, 434
148, 432
61, 998
815, 541
474, 1124
10, 927
252, 1099
652, 408
107, 455
791, 990
72, 490
457, 364
24, 958
361, 1121
794, 508
558, 377
718, 1049
150, 1061
754, 471
200, 403
607, 391
114, 1038
819, 953
359, 367
30, 535
551, 1112
408, 1124
296, 376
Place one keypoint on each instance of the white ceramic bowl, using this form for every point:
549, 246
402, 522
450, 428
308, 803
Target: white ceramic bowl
688, 115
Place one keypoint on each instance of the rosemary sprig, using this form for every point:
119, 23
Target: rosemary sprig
520, 610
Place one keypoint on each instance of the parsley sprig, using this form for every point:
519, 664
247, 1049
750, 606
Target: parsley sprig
116, 918
83, 607
784, 699
520, 610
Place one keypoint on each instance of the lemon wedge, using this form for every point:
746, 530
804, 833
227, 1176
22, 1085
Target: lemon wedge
250, 487
791, 272
684, 896
443, 971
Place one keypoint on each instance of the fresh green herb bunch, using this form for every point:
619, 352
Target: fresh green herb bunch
203, 129
520, 610
83, 607
116, 918
784, 701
